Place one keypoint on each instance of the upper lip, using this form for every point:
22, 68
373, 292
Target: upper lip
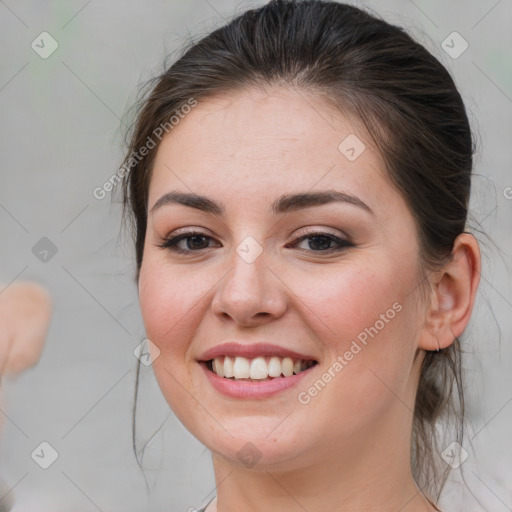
235, 348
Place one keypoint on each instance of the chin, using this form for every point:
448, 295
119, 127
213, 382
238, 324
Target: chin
251, 442
258, 454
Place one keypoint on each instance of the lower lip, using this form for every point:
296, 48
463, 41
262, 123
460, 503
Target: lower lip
246, 389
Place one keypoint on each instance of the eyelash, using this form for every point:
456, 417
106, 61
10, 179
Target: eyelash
171, 243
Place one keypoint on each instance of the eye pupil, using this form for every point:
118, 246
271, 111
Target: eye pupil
321, 246
192, 239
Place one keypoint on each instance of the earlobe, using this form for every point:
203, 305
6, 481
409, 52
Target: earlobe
453, 295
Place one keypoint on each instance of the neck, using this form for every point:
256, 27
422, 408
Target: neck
315, 490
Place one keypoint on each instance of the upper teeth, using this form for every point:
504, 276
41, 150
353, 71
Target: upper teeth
259, 367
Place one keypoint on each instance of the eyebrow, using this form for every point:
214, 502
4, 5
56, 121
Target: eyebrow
285, 203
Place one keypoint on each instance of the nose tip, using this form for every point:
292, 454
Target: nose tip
249, 294
248, 319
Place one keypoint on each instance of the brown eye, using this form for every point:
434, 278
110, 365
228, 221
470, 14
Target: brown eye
324, 242
192, 242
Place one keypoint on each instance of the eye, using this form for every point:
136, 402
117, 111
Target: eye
195, 241
190, 241
321, 242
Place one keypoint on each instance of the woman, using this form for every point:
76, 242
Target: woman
299, 182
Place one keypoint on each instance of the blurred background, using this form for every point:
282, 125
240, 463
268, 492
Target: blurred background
69, 72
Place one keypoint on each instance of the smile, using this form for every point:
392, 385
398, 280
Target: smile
244, 370
259, 368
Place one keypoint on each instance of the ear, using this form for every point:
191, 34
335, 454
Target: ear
453, 295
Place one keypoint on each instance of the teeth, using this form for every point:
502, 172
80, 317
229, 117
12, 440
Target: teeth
259, 368
287, 366
228, 366
274, 367
218, 368
241, 368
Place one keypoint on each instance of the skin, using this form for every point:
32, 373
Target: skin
349, 447
25, 312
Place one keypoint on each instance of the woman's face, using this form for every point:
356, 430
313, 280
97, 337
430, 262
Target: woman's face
330, 282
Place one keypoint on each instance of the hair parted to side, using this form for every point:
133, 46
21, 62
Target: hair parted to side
409, 106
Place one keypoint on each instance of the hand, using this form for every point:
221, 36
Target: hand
25, 311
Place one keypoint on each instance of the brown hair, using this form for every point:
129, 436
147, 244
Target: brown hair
410, 107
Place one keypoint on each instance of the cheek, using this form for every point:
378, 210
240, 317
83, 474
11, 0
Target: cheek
167, 301
345, 302
166, 305
369, 320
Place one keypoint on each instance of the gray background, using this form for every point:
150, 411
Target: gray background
61, 137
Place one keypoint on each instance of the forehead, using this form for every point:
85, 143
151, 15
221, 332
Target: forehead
260, 140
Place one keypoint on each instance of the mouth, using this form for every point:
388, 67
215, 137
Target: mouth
257, 369
254, 370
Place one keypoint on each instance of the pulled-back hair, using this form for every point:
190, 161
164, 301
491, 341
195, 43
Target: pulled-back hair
409, 106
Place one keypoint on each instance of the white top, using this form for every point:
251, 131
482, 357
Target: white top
202, 509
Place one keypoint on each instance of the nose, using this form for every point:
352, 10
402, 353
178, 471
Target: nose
251, 293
